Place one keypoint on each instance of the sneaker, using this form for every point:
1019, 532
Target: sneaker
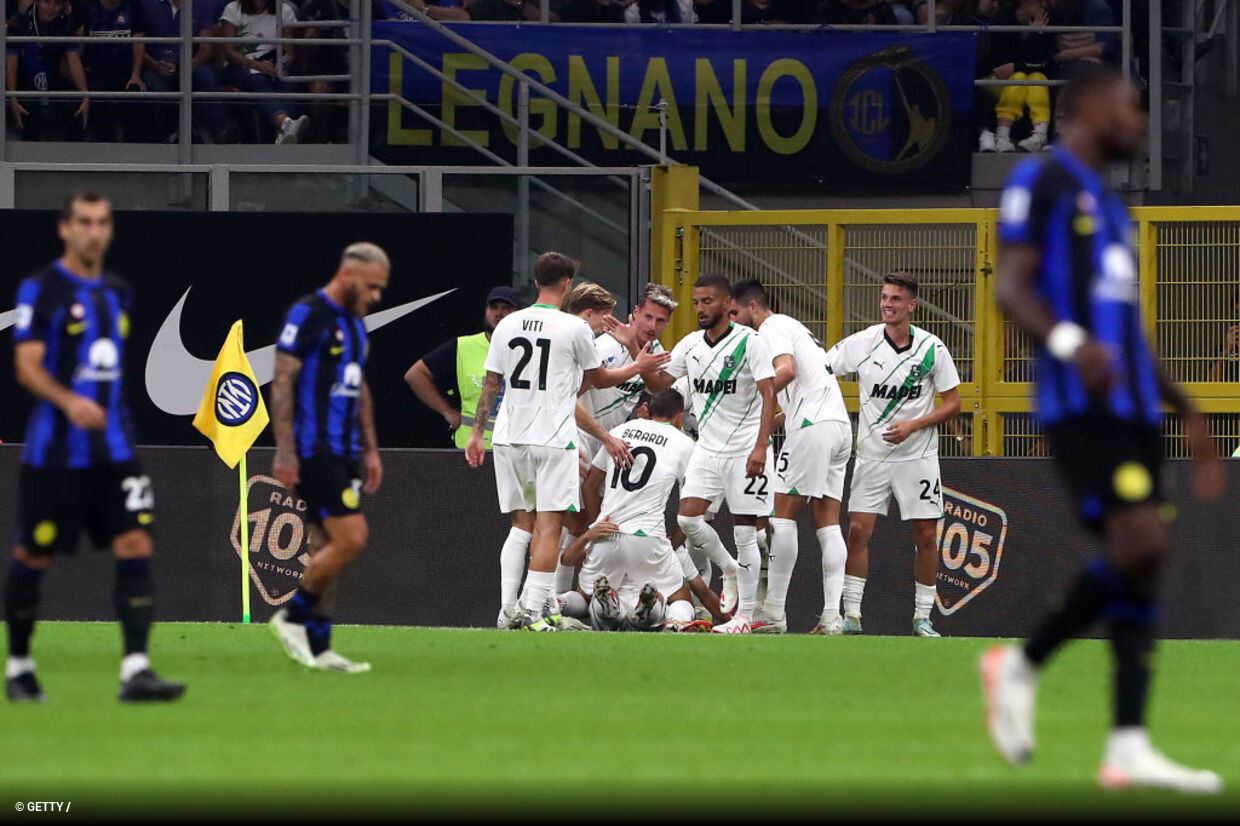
24, 688
852, 626
1144, 765
292, 635
649, 612
834, 628
331, 661
766, 625
1009, 685
604, 606
147, 686
1034, 143
290, 131
696, 626
548, 618
730, 596
573, 624
736, 625
509, 618
923, 628
1004, 144
986, 141
701, 613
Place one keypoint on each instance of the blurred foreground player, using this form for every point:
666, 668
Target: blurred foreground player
1068, 278
323, 416
79, 467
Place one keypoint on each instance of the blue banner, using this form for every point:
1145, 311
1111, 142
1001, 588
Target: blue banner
772, 105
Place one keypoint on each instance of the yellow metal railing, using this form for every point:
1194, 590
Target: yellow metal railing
824, 267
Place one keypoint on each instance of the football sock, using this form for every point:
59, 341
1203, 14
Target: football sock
1123, 740
21, 599
783, 558
512, 565
680, 611
763, 537
131, 664
539, 586
854, 589
834, 555
923, 600
564, 573
301, 606
749, 568
574, 604
1132, 643
1003, 133
319, 634
135, 602
1084, 604
703, 536
17, 666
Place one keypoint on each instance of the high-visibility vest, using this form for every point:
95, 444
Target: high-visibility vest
471, 375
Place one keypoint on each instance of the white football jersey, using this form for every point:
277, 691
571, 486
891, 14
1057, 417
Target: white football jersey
689, 422
611, 406
814, 395
723, 383
895, 385
541, 353
636, 497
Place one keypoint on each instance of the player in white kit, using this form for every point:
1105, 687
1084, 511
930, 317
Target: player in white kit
812, 464
732, 385
899, 370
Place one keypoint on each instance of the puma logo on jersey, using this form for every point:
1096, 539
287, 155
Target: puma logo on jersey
709, 386
889, 391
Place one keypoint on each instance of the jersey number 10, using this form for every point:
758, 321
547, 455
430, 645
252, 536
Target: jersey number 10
623, 476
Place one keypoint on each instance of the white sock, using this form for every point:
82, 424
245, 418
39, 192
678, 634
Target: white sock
680, 611
764, 539
512, 565
704, 537
854, 588
1004, 133
834, 555
1041, 128
132, 664
700, 561
923, 601
539, 586
1124, 740
574, 604
749, 568
17, 666
783, 558
564, 573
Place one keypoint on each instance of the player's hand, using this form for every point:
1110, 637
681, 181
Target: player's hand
83, 112
1210, 478
755, 465
618, 450
285, 468
1093, 360
897, 433
374, 473
86, 413
19, 113
779, 421
624, 333
602, 529
476, 450
453, 418
647, 361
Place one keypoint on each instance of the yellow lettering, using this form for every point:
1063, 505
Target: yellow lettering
454, 99
710, 94
647, 117
809, 113
582, 92
398, 135
540, 106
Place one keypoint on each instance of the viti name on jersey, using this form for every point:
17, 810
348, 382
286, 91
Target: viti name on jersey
891, 391
724, 386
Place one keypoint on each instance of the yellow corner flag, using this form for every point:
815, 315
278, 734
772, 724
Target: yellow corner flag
232, 413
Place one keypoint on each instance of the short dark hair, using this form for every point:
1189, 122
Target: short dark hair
717, 282
554, 267
750, 289
666, 404
904, 280
1084, 82
80, 196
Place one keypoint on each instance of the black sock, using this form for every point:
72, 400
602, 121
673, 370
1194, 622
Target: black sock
135, 602
301, 606
1132, 642
319, 633
1084, 604
21, 599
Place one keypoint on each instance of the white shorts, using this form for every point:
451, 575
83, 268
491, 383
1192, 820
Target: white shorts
814, 461
631, 560
710, 475
915, 484
588, 447
537, 478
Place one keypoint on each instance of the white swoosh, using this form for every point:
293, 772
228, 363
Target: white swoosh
8, 319
175, 377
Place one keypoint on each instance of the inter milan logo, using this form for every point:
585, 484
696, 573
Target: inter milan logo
236, 399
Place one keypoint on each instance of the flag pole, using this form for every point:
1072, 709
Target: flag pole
245, 545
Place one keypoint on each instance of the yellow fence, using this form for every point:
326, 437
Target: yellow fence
825, 267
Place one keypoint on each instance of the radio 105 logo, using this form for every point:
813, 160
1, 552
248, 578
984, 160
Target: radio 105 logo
279, 539
970, 541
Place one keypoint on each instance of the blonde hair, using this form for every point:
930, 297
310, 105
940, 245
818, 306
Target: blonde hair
659, 294
366, 252
588, 296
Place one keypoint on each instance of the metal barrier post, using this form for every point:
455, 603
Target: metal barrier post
4, 102
185, 144
736, 15
932, 21
1126, 42
544, 11
662, 107
363, 137
523, 183
1156, 92
355, 57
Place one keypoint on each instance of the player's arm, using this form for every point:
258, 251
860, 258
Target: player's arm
1210, 477
948, 410
422, 383
645, 361
28, 365
616, 448
756, 465
575, 554
475, 451
677, 366
370, 440
285, 465
592, 490
785, 371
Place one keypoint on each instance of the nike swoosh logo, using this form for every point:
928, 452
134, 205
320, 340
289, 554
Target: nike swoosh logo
8, 319
175, 377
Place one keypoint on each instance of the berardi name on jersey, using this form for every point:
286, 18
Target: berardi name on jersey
643, 435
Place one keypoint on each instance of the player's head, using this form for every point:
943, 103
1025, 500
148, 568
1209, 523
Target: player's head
653, 312
899, 297
712, 299
667, 406
500, 302
86, 226
553, 275
364, 269
1102, 107
750, 304
590, 302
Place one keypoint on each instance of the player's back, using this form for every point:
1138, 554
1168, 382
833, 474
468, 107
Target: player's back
814, 395
635, 498
542, 353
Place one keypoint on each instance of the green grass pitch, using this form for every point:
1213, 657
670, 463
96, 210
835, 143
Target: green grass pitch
453, 721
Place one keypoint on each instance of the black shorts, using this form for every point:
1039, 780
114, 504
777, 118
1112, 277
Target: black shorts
331, 486
1108, 464
56, 503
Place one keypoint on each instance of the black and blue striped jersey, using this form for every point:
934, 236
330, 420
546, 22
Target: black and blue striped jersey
84, 324
330, 341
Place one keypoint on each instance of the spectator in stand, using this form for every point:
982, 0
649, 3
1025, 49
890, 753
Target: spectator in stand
1077, 48
330, 118
946, 13
161, 71
857, 12
112, 66
46, 67
251, 67
660, 11
1022, 56
511, 10
446, 10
